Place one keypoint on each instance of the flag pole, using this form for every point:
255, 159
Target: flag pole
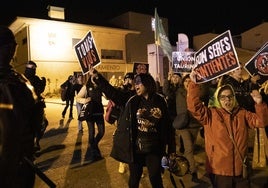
157, 48
157, 60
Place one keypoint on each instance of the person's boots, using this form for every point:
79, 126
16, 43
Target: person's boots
89, 156
71, 116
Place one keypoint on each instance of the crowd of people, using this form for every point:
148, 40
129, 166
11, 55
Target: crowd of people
145, 130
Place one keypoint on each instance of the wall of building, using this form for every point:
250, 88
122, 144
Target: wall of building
51, 45
255, 38
136, 45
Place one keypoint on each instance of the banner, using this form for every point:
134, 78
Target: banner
216, 58
87, 53
258, 64
161, 37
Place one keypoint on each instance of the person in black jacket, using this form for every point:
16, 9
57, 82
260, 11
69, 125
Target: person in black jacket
119, 96
142, 132
17, 119
91, 93
39, 85
70, 93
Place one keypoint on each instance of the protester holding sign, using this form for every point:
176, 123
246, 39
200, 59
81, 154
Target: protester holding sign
226, 132
118, 95
90, 93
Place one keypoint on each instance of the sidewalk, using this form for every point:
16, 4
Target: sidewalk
62, 156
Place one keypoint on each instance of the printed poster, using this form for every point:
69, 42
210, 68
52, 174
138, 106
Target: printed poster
216, 58
87, 53
182, 62
258, 64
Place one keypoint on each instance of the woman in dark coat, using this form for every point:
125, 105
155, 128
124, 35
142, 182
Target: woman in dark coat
142, 132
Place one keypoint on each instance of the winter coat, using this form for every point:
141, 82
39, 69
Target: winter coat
222, 156
124, 141
181, 108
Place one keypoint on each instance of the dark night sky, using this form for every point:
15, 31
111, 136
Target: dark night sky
189, 17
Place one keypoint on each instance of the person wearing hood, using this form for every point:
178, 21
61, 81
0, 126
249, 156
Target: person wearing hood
226, 128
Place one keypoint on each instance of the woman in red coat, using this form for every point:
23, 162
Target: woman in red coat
226, 132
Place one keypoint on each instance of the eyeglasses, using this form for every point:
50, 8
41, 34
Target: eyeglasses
225, 97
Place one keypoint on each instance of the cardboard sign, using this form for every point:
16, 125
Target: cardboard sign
182, 62
140, 68
87, 53
216, 58
258, 64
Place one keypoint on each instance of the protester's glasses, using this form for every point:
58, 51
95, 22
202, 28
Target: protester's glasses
225, 97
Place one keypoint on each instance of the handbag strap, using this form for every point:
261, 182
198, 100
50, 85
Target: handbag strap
231, 137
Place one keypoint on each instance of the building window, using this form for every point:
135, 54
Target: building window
24, 41
112, 54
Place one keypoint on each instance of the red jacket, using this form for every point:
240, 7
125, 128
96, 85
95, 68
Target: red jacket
222, 156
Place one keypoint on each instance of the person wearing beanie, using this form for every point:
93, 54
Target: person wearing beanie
170, 87
188, 128
17, 119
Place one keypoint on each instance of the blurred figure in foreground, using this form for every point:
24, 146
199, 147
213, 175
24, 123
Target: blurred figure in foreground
17, 119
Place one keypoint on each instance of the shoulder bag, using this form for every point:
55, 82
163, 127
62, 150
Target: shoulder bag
85, 111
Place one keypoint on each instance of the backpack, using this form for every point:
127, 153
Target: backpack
63, 91
112, 112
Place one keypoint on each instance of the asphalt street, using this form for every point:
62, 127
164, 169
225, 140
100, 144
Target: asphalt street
62, 158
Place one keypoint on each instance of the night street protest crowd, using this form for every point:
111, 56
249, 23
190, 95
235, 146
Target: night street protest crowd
225, 107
